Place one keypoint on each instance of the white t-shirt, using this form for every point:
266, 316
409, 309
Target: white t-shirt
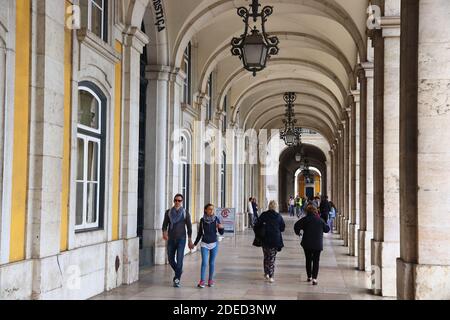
209, 246
250, 208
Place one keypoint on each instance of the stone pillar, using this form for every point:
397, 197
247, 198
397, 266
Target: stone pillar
386, 234
157, 155
423, 269
347, 177
366, 166
46, 146
134, 41
354, 212
342, 181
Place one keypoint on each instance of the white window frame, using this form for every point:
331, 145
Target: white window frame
86, 139
102, 9
223, 180
187, 60
209, 87
185, 170
100, 115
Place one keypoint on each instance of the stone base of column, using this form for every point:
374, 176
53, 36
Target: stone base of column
338, 224
154, 248
345, 233
240, 222
352, 242
422, 282
364, 250
342, 226
130, 260
384, 267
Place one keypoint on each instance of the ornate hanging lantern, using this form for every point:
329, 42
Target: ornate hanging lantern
255, 47
291, 134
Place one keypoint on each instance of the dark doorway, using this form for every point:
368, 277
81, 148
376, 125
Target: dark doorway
142, 130
309, 193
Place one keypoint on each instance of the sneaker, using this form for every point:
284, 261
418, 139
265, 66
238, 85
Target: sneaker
266, 277
177, 283
201, 284
314, 282
211, 283
309, 279
271, 280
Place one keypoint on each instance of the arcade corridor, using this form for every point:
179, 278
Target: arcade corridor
242, 278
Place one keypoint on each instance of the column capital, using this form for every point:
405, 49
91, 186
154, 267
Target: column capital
177, 75
134, 37
157, 72
356, 94
390, 26
368, 69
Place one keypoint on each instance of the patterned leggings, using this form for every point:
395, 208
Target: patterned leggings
270, 255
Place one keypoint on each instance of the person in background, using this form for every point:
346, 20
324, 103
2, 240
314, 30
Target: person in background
250, 212
291, 206
325, 209
272, 242
255, 209
209, 226
176, 222
304, 202
312, 240
316, 202
332, 216
298, 206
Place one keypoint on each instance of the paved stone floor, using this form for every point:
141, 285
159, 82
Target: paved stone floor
239, 275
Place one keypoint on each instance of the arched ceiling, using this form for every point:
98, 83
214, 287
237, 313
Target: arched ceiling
321, 44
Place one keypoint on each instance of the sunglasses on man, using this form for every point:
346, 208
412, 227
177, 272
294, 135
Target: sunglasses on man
178, 200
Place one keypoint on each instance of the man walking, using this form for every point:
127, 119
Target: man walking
176, 222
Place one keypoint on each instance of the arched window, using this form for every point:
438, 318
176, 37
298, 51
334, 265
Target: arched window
94, 17
187, 68
90, 175
186, 171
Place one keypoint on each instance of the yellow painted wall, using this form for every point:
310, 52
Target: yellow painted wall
67, 137
301, 186
317, 186
21, 131
117, 145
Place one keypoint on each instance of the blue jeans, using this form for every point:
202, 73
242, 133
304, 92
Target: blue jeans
175, 248
212, 254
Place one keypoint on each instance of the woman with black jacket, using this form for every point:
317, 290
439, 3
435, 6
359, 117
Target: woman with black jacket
312, 241
271, 224
207, 233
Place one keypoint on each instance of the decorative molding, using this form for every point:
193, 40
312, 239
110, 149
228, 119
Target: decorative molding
188, 109
93, 42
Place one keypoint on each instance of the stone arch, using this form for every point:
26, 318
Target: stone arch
331, 9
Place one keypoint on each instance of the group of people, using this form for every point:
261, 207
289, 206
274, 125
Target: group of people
268, 228
296, 206
326, 209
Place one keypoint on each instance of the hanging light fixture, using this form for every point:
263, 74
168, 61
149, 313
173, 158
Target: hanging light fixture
255, 47
306, 171
291, 134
